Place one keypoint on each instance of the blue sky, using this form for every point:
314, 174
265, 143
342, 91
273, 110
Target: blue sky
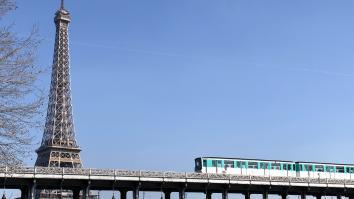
157, 83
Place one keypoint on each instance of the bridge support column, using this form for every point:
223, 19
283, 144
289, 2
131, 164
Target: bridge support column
339, 196
247, 195
32, 190
136, 193
265, 195
284, 195
208, 195
24, 193
303, 195
225, 194
167, 194
182, 193
76, 193
86, 191
319, 196
123, 194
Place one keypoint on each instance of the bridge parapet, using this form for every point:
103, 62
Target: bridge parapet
124, 180
35, 171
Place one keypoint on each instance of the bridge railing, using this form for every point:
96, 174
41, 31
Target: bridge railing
9, 171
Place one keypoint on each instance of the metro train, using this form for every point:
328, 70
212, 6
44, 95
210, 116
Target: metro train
258, 167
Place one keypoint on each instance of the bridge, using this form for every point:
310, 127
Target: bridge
28, 179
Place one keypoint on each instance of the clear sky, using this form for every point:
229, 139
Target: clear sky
157, 83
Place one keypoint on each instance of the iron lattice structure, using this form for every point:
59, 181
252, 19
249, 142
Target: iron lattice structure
59, 147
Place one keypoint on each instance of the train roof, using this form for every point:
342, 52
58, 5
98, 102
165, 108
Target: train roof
253, 159
224, 158
326, 163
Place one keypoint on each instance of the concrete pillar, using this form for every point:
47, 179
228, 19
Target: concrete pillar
76, 193
123, 194
86, 191
284, 195
24, 193
247, 195
32, 190
339, 196
319, 196
225, 194
265, 195
208, 195
167, 194
182, 193
303, 195
136, 193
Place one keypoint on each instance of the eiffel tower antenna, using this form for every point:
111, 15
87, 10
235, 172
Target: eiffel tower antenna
59, 147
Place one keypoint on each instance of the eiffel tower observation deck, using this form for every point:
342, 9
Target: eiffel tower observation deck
59, 147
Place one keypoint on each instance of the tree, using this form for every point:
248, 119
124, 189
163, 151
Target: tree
20, 98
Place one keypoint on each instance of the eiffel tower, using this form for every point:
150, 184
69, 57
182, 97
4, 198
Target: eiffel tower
59, 147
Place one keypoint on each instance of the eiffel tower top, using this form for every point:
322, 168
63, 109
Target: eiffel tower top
59, 147
62, 14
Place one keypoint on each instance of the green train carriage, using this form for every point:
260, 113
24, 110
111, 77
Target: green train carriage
260, 167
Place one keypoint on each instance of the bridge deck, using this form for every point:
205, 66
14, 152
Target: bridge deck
106, 179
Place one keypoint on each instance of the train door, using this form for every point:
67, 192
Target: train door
297, 169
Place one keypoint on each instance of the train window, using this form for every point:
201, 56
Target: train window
243, 165
238, 164
330, 169
347, 169
205, 163
319, 168
229, 164
264, 165
198, 164
290, 167
213, 163
219, 163
340, 169
285, 167
351, 169
276, 166
308, 167
252, 165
